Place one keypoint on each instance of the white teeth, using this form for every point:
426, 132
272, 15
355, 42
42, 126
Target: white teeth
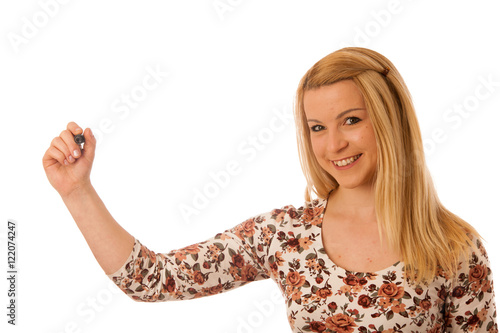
347, 161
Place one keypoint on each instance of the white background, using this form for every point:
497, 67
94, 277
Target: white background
229, 74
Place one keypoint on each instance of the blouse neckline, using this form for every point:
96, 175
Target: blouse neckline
331, 263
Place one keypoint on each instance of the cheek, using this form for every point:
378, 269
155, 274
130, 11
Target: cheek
371, 140
359, 137
365, 138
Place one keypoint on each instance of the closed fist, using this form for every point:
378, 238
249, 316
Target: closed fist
66, 165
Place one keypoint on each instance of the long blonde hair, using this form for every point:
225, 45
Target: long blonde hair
408, 210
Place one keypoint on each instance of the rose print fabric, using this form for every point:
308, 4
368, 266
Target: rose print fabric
286, 246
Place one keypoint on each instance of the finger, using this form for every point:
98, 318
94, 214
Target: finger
90, 144
73, 150
60, 145
74, 128
54, 155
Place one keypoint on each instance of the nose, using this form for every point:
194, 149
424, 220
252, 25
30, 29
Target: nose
336, 142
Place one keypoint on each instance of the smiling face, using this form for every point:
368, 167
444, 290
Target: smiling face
340, 129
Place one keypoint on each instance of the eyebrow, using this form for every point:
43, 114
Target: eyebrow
339, 115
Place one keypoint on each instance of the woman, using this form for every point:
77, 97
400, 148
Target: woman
375, 252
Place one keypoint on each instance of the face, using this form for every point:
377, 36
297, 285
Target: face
340, 131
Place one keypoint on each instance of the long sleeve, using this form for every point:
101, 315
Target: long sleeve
286, 245
471, 306
228, 260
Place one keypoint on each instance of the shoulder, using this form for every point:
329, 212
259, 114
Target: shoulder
471, 305
475, 252
288, 216
308, 214
474, 266
477, 248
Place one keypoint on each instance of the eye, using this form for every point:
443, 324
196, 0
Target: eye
316, 128
356, 120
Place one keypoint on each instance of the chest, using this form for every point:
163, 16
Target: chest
356, 245
362, 302
320, 294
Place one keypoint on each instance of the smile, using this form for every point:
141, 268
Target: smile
346, 161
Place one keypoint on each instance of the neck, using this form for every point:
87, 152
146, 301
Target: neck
356, 202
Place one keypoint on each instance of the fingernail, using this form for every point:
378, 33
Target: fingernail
66, 162
78, 129
92, 134
71, 159
75, 152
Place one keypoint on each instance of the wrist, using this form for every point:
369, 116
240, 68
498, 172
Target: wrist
82, 190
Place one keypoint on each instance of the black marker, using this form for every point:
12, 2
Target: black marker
80, 140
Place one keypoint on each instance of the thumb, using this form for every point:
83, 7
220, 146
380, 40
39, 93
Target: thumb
90, 144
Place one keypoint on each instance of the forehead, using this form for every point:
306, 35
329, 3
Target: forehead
334, 98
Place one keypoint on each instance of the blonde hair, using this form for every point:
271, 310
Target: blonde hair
408, 210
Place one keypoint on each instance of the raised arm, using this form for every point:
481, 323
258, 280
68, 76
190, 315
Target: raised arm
224, 262
68, 170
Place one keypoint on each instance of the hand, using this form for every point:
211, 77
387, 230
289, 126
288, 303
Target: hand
66, 170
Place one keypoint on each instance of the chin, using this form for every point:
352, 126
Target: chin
349, 185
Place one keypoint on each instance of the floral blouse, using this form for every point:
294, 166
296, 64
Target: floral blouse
286, 245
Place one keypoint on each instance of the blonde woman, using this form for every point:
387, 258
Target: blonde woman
375, 251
